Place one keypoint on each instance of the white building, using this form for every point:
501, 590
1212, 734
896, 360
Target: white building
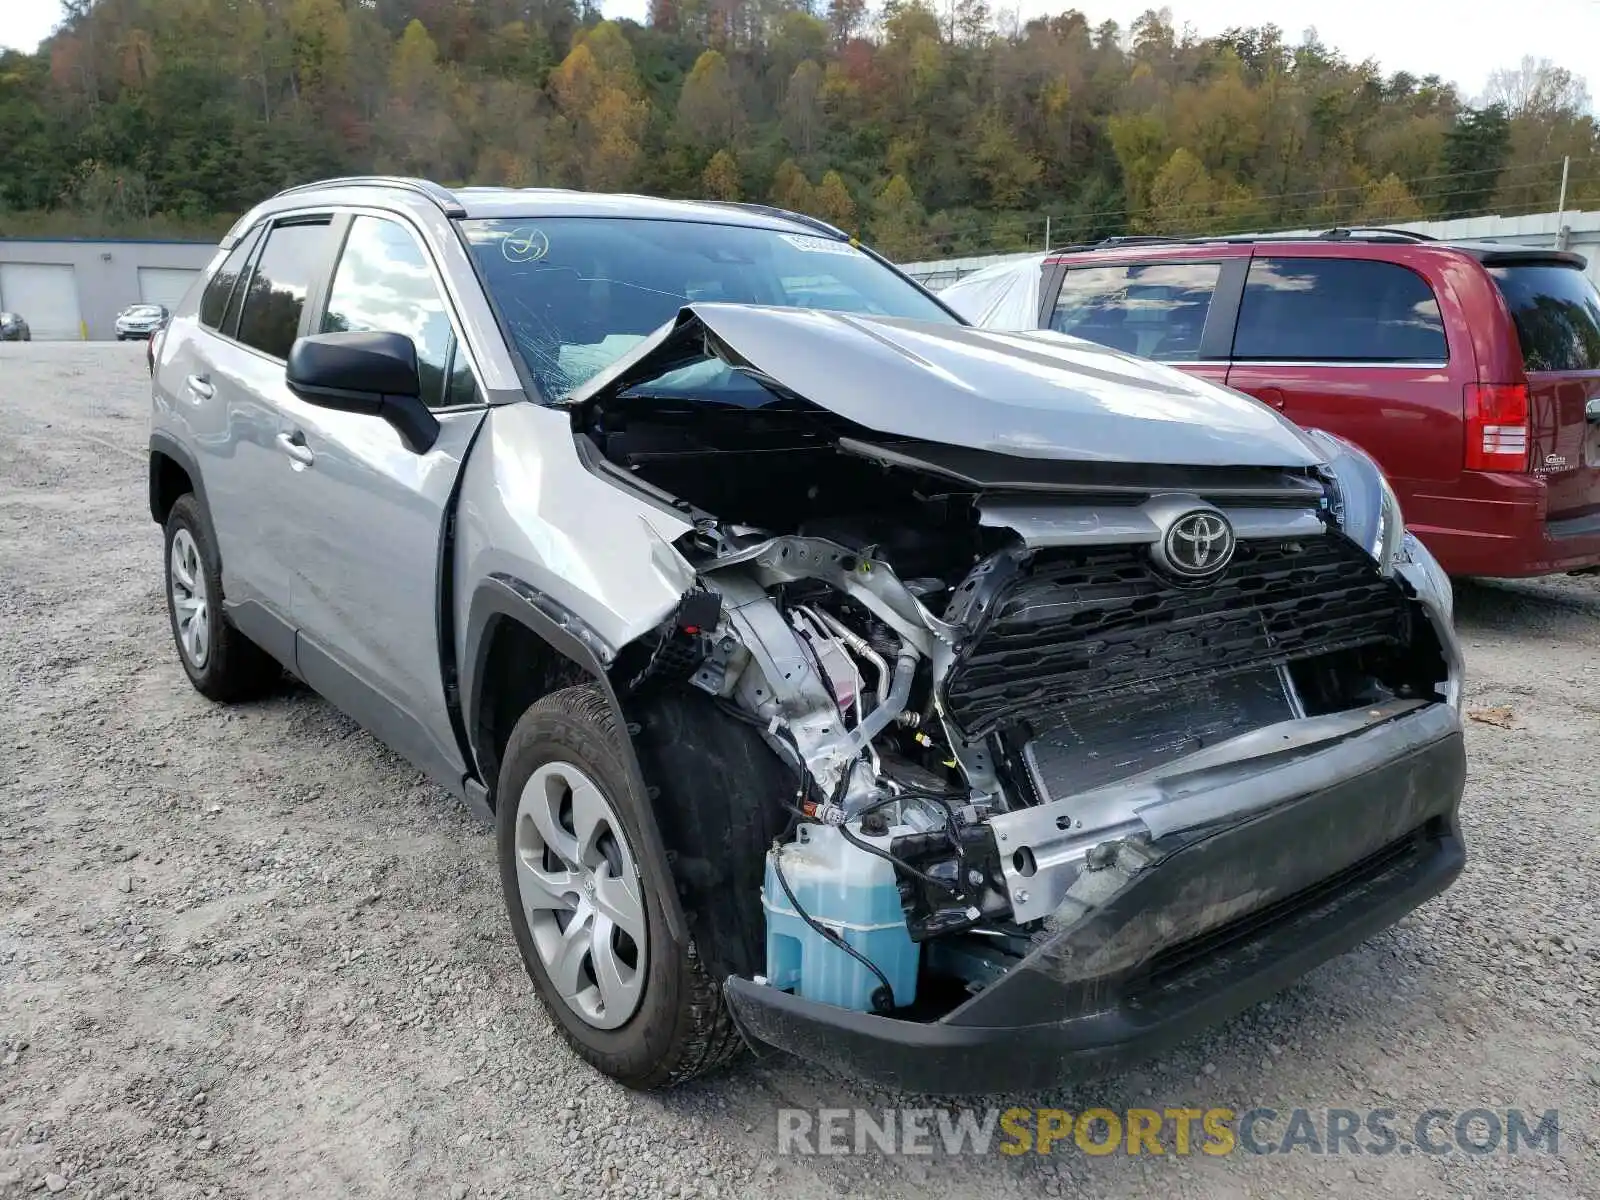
73, 288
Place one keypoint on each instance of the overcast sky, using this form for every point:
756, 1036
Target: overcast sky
1458, 39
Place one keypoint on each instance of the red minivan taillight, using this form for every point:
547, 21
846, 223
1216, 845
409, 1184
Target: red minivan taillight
1497, 427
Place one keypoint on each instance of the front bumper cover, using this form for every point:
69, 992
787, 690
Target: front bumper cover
1201, 923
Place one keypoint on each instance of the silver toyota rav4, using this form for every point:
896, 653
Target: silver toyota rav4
958, 709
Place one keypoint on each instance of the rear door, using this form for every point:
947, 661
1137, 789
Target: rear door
1176, 310
236, 376
1556, 311
1357, 347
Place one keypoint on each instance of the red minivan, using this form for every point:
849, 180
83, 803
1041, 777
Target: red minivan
1471, 372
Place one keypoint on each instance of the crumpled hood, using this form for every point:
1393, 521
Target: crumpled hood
1037, 394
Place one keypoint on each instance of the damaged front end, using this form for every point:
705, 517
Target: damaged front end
1085, 753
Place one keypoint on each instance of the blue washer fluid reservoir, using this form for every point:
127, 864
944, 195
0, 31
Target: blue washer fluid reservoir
851, 892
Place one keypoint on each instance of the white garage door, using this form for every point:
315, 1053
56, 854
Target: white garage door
46, 296
164, 285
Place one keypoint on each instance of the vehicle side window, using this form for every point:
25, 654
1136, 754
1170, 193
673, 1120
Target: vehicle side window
220, 288
1338, 310
1557, 314
293, 256
1154, 310
383, 285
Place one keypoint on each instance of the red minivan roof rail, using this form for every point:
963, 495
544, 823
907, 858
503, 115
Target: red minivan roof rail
1337, 234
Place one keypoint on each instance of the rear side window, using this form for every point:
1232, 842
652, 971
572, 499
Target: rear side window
1557, 314
214, 300
293, 256
1338, 310
1155, 310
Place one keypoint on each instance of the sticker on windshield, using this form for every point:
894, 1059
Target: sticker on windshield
525, 245
818, 245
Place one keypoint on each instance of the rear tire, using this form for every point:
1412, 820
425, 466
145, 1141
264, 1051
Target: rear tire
221, 663
676, 1027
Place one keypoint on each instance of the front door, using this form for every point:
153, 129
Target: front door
369, 514
1177, 311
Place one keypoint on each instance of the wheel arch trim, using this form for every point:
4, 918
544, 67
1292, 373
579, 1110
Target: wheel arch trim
505, 597
168, 446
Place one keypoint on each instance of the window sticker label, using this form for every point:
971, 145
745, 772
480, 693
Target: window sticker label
819, 245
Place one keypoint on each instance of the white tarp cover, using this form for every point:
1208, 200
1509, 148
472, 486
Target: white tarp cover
1004, 296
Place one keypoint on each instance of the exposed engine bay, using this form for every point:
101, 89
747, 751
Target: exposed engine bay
995, 678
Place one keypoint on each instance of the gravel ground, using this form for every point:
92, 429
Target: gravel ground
250, 952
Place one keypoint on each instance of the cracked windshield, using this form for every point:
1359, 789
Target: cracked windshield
577, 293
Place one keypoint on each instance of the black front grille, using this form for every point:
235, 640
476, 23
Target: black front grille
1086, 625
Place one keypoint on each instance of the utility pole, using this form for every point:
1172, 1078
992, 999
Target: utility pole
1047, 225
1561, 204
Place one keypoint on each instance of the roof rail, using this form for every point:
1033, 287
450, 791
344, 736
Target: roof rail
442, 196
772, 210
1337, 234
1341, 233
1141, 239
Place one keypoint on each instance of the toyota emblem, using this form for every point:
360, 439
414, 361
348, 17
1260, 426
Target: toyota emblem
1198, 544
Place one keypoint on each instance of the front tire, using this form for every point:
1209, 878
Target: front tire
587, 910
221, 662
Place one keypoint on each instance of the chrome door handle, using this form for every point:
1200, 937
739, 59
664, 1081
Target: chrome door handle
294, 445
1591, 410
201, 386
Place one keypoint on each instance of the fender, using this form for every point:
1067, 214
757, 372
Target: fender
508, 598
165, 443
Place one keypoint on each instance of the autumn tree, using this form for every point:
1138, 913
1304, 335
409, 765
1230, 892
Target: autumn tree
1182, 197
1387, 200
833, 203
138, 57
1549, 120
665, 15
320, 36
1007, 170
597, 90
420, 135
108, 197
802, 106
708, 107
897, 221
720, 179
956, 128
791, 189
414, 74
1139, 141
845, 19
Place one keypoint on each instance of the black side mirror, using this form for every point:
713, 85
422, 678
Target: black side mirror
371, 373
